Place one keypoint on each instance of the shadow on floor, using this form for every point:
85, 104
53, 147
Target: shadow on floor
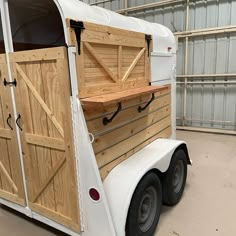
32, 221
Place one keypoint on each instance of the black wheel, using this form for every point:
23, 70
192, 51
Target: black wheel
175, 178
145, 207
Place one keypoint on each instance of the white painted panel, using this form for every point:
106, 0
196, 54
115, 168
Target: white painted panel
162, 67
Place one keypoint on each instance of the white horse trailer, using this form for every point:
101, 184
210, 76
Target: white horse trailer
87, 121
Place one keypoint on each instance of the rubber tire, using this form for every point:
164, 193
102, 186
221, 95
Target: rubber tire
170, 197
132, 226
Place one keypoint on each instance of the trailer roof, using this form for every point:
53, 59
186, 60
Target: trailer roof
77, 10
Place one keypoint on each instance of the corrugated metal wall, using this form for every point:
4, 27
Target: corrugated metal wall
206, 91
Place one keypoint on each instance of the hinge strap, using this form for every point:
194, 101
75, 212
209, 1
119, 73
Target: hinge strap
78, 26
148, 38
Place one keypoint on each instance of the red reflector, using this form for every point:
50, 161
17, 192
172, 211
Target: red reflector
94, 194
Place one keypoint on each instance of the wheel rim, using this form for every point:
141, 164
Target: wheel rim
147, 209
178, 176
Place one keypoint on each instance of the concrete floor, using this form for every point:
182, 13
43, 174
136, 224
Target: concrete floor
208, 206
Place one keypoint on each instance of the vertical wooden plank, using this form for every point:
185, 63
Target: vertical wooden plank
4, 157
40, 126
1, 125
0, 181
12, 145
119, 63
72, 196
28, 151
147, 63
55, 101
80, 68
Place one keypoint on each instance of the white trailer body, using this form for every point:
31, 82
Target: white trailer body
108, 215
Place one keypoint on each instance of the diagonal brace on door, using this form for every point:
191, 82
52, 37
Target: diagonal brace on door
40, 100
134, 63
48, 179
8, 177
99, 60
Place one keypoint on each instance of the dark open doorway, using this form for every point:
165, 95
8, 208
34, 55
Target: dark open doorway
35, 24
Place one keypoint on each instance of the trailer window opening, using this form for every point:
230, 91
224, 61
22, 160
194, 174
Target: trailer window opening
35, 24
2, 45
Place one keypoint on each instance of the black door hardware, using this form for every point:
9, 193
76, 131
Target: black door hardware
140, 109
17, 122
13, 83
8, 121
78, 26
109, 120
148, 39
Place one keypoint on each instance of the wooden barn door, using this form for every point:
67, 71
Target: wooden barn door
11, 181
110, 60
44, 118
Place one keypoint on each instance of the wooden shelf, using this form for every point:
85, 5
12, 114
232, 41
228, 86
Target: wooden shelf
121, 96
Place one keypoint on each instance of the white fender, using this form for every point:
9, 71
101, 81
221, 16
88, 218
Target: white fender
122, 181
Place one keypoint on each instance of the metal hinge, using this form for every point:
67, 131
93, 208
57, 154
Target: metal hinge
78, 26
148, 38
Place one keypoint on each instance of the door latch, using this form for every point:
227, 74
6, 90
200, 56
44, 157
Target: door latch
9, 121
17, 122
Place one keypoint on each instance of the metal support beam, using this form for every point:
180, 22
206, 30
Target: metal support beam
207, 82
148, 6
186, 64
99, 2
206, 130
205, 75
209, 121
204, 32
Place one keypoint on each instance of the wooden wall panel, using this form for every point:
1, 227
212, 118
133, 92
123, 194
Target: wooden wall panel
31, 162
106, 140
111, 60
114, 72
130, 130
126, 115
104, 171
40, 125
125, 146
